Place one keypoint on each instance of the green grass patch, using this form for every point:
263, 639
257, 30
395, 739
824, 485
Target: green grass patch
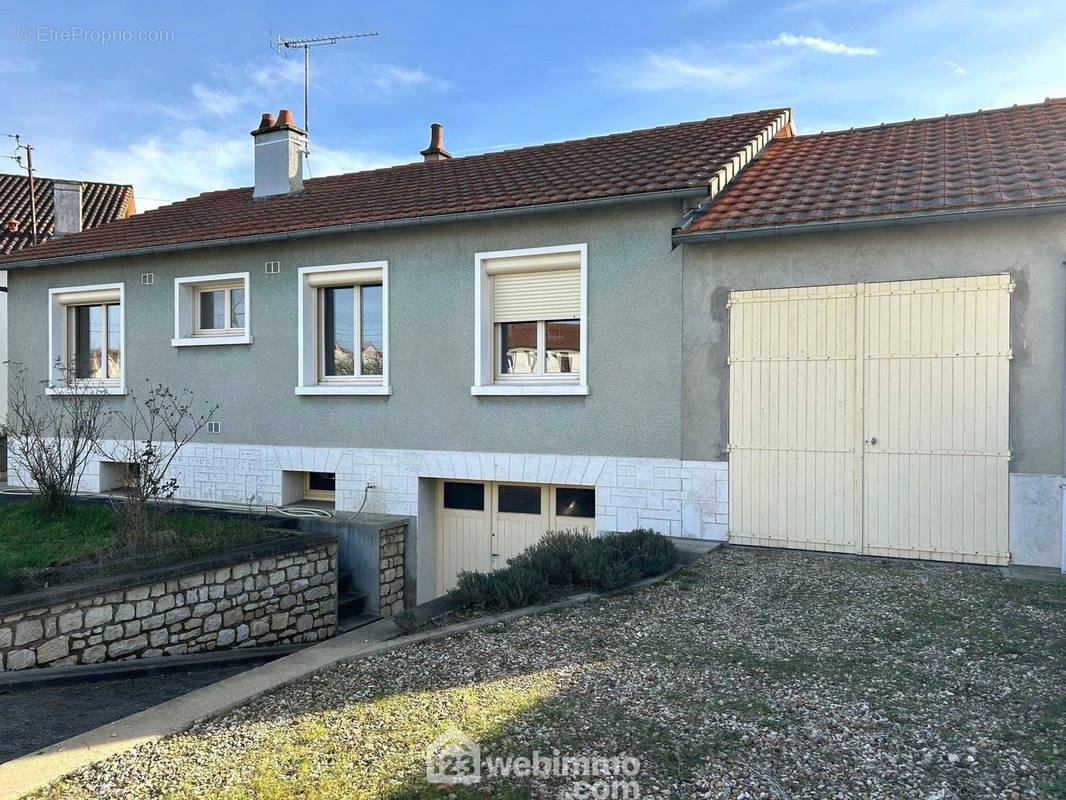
38, 549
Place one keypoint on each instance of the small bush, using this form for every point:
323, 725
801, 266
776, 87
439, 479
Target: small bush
564, 559
603, 567
513, 587
554, 556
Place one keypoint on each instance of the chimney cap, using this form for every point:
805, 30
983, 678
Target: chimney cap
13, 224
436, 151
284, 121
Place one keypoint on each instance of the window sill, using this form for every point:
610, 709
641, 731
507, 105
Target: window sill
85, 390
200, 341
353, 389
533, 390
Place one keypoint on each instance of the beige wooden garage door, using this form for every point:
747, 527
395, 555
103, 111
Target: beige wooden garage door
872, 418
483, 524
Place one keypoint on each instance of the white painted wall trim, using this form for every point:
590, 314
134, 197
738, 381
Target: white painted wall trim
184, 310
525, 258
58, 299
307, 357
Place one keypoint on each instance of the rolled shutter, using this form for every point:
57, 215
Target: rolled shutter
346, 277
90, 297
528, 296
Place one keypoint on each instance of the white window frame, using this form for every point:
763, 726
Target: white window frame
187, 331
309, 379
60, 349
487, 380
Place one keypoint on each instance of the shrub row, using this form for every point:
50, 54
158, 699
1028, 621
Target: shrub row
567, 559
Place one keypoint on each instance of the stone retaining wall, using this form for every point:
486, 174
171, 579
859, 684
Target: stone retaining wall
281, 598
391, 583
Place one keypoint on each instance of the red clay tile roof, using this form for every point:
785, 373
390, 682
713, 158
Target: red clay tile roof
100, 203
988, 158
657, 159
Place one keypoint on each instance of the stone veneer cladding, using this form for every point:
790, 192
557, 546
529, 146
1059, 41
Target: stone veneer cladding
283, 598
391, 585
675, 497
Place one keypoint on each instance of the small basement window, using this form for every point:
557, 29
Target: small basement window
464, 496
212, 310
320, 486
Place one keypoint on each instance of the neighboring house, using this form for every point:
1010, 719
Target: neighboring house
502, 344
98, 203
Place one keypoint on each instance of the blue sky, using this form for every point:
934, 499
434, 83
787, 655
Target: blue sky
173, 116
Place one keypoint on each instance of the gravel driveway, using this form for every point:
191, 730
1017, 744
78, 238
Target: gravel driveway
751, 674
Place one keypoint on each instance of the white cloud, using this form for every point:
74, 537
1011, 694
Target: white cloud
658, 71
386, 77
958, 69
17, 65
821, 45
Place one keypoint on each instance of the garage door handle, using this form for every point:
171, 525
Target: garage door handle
872, 440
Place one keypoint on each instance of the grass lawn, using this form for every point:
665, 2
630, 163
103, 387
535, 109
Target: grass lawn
83, 542
750, 674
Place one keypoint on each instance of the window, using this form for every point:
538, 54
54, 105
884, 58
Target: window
211, 310
572, 501
531, 322
511, 499
86, 344
464, 496
343, 329
320, 486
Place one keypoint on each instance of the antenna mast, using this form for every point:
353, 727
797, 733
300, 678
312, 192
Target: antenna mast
281, 44
28, 166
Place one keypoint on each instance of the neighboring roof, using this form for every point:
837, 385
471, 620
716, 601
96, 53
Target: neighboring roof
100, 203
984, 160
676, 157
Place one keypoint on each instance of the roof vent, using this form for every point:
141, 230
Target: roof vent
279, 149
436, 151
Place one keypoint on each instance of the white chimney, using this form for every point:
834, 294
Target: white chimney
66, 198
279, 149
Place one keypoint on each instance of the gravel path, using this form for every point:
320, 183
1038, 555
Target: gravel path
751, 674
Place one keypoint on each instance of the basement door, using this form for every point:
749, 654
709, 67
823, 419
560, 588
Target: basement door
482, 524
872, 418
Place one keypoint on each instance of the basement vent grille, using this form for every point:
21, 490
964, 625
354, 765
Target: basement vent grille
214, 427
147, 278
273, 267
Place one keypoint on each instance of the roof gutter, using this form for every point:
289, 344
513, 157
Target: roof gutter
860, 223
363, 227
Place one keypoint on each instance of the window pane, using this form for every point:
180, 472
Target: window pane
213, 310
466, 496
89, 341
338, 334
236, 308
518, 348
114, 341
519, 499
372, 341
575, 502
563, 346
322, 481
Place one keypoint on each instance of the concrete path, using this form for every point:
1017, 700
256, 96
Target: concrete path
34, 771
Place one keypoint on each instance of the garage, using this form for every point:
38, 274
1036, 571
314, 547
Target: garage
482, 524
872, 418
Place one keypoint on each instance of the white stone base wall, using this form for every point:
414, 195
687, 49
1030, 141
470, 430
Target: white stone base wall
674, 497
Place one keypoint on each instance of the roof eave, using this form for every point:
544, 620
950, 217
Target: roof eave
363, 227
883, 221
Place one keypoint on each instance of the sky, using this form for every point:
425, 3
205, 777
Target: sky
164, 95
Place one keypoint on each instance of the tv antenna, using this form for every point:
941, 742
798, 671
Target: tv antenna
282, 44
28, 166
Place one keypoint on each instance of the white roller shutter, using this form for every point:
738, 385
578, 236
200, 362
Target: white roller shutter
527, 296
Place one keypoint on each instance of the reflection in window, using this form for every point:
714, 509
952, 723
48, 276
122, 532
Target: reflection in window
573, 502
236, 308
338, 330
213, 310
562, 346
92, 338
372, 342
518, 348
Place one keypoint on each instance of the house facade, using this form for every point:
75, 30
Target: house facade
505, 344
61, 207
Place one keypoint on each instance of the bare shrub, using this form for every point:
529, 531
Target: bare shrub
150, 433
53, 436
